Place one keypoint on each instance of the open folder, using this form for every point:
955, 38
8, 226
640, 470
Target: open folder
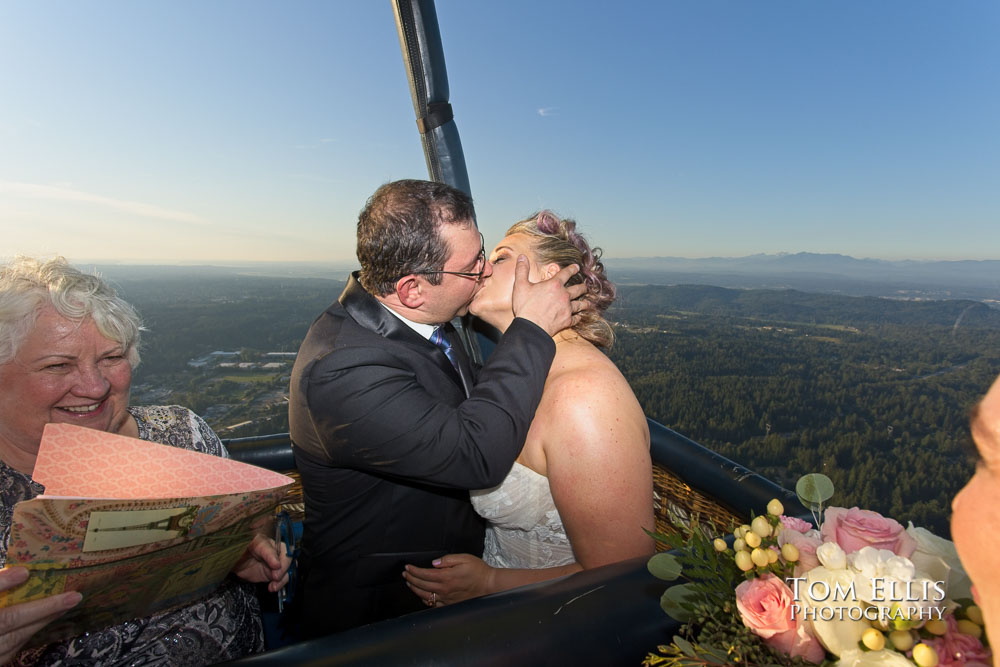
135, 526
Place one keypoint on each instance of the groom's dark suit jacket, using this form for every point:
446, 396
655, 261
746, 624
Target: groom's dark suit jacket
388, 438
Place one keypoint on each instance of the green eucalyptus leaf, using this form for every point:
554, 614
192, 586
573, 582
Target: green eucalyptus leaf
664, 566
716, 654
814, 489
675, 600
685, 646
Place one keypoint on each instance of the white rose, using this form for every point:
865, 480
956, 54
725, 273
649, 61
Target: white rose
831, 556
855, 657
936, 558
832, 621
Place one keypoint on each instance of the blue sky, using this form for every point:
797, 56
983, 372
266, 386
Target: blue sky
247, 130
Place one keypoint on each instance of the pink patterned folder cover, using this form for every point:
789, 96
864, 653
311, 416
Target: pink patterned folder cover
84, 463
186, 518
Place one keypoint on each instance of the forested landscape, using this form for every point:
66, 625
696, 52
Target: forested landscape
873, 392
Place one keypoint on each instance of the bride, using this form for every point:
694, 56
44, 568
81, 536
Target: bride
580, 493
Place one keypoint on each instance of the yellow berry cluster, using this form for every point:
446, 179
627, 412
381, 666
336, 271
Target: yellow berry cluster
755, 545
907, 639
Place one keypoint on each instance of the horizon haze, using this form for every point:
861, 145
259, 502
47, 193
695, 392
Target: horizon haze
808, 272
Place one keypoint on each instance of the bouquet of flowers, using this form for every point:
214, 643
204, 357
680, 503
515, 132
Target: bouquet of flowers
852, 589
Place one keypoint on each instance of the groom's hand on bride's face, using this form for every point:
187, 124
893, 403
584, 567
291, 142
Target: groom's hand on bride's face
550, 303
453, 578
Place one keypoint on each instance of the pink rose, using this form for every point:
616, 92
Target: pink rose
765, 605
955, 649
806, 544
854, 529
795, 523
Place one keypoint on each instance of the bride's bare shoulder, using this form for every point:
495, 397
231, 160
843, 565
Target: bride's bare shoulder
586, 388
579, 367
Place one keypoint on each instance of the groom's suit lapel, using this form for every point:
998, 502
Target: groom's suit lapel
369, 313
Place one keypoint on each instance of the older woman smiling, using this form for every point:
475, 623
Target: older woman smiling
68, 345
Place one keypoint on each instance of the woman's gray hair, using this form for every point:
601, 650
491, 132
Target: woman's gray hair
28, 286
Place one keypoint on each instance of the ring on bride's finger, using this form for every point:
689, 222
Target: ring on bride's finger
434, 599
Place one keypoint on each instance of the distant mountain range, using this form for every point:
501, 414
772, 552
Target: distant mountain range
813, 272
808, 272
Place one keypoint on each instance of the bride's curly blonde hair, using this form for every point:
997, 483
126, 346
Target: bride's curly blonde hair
559, 242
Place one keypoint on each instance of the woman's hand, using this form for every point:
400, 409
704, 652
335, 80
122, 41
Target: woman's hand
261, 563
20, 622
453, 578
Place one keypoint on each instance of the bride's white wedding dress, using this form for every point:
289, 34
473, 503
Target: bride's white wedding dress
525, 529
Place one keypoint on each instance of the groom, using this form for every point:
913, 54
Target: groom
390, 424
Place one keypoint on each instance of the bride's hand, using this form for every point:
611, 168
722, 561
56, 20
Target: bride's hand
453, 578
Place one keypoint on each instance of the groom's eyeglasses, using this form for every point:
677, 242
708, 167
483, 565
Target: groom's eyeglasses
480, 264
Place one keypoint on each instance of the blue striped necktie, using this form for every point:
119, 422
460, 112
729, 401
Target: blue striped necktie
439, 339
